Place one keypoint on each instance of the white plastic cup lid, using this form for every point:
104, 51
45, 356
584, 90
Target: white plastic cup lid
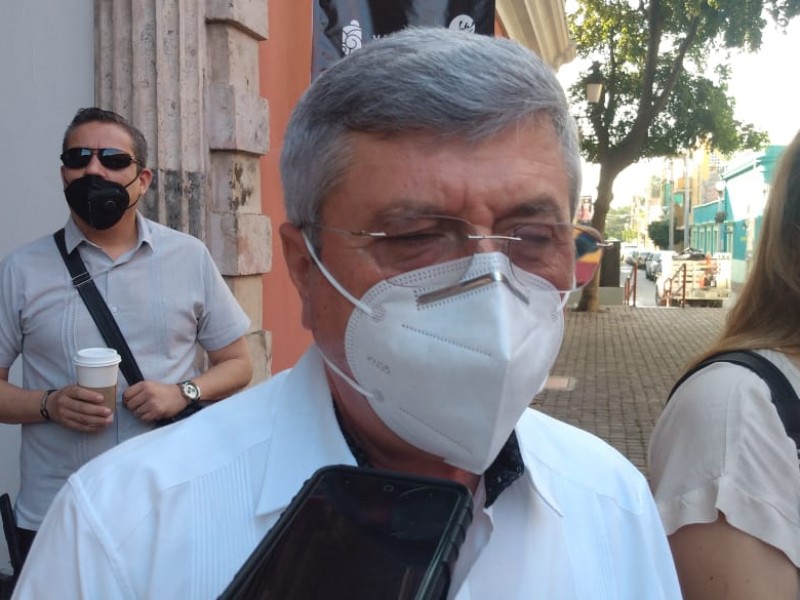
97, 357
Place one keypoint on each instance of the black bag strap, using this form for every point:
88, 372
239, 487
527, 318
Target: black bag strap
783, 395
98, 309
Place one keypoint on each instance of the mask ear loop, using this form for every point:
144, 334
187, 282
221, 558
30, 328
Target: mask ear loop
135, 202
332, 280
350, 381
566, 294
138, 172
356, 302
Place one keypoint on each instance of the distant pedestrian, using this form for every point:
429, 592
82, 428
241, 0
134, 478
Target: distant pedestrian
723, 470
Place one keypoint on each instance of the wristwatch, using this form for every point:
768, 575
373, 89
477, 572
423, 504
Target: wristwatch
189, 391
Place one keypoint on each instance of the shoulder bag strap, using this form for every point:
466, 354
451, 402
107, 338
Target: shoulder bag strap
783, 395
98, 309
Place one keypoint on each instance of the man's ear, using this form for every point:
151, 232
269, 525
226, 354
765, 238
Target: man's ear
145, 178
300, 266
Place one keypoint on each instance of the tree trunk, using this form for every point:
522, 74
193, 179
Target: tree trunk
590, 301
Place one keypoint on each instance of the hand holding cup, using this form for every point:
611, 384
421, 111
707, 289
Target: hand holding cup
98, 370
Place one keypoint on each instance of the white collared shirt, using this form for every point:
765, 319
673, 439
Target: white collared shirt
174, 514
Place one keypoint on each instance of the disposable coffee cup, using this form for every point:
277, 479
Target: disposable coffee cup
98, 369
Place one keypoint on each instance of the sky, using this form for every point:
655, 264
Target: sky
765, 86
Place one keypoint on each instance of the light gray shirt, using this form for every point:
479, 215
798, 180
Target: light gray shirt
167, 297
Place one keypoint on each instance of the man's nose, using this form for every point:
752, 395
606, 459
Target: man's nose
94, 167
491, 242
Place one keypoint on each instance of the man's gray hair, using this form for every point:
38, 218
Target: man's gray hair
427, 80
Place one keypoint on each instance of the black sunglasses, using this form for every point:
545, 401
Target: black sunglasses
111, 158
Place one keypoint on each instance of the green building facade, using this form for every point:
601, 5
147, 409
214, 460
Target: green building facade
732, 223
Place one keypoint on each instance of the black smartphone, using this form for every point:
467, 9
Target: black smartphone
358, 534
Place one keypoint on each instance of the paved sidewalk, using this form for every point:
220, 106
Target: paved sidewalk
617, 366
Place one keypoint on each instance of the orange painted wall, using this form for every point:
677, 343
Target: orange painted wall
285, 72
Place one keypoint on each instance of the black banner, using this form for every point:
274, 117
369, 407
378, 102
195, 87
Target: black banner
343, 26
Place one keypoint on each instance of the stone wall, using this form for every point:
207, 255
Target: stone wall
185, 72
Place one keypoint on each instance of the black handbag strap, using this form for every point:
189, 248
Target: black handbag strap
98, 309
783, 395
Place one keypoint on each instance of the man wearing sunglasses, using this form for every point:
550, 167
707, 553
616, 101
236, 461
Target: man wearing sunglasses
161, 287
430, 179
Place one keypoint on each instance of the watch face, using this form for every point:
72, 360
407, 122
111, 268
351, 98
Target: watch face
190, 390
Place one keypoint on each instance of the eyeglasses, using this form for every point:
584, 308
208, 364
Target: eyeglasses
111, 158
533, 246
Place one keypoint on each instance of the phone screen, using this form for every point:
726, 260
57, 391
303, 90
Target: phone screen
357, 533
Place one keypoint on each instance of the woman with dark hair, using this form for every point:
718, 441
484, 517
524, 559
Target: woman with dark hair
723, 469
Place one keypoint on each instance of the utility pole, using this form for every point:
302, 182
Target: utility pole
670, 206
719, 218
687, 238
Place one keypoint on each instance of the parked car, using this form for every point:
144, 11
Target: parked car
627, 253
655, 263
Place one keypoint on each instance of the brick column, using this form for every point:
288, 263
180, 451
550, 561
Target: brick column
186, 73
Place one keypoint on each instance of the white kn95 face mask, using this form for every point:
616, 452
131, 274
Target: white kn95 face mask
451, 370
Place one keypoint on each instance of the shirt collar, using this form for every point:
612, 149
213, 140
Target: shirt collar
303, 404
304, 433
73, 236
506, 468
539, 473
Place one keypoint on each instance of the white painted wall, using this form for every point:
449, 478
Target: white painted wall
46, 75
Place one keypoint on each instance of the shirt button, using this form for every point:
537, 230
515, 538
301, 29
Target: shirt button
114, 309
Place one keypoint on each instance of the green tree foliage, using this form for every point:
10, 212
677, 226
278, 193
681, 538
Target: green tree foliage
661, 95
656, 185
618, 224
658, 231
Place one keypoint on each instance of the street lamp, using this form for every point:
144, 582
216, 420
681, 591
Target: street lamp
594, 94
594, 84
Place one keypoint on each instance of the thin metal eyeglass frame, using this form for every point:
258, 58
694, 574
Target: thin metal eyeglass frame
597, 239
600, 243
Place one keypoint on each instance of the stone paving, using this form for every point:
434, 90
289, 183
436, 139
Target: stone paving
617, 366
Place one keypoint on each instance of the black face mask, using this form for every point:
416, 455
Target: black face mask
98, 202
